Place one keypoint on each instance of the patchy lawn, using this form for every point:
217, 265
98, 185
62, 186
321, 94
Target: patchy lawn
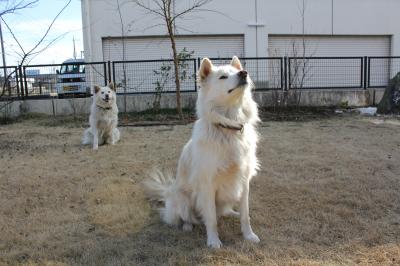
328, 193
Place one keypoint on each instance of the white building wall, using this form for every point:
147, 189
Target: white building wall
238, 17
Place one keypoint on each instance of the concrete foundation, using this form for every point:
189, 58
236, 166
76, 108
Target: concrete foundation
137, 103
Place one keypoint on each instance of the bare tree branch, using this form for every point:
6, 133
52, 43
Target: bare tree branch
31, 52
35, 50
50, 26
12, 8
195, 6
13, 35
140, 4
59, 37
162, 9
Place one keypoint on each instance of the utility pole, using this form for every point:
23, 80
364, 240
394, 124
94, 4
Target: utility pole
73, 40
2, 52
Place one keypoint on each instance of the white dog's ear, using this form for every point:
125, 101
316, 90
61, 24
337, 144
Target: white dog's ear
111, 85
96, 89
236, 63
205, 68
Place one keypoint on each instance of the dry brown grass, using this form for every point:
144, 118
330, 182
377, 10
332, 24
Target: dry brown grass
328, 194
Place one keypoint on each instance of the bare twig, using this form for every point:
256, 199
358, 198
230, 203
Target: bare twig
14, 7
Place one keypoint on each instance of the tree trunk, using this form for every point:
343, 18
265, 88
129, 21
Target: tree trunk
177, 81
176, 68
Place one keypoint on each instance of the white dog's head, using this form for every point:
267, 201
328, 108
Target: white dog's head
224, 85
105, 96
225, 93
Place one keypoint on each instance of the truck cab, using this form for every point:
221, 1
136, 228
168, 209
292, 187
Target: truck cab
71, 79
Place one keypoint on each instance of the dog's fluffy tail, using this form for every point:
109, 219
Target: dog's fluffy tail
177, 208
158, 185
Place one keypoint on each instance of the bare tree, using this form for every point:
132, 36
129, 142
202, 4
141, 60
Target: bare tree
165, 10
124, 81
26, 55
300, 67
10, 7
301, 63
38, 47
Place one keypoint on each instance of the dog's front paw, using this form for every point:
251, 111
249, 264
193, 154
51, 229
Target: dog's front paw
214, 242
252, 237
95, 148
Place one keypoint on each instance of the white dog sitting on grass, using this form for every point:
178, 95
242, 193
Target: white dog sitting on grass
103, 119
218, 162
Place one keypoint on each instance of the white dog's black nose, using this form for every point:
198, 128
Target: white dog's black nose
242, 74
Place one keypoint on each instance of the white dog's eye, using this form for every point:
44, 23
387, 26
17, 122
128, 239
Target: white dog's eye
102, 92
109, 91
223, 77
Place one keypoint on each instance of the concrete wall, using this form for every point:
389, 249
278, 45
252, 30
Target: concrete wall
136, 103
255, 19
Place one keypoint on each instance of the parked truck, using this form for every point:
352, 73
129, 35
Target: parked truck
71, 79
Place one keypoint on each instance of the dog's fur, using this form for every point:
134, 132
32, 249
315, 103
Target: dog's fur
103, 119
218, 162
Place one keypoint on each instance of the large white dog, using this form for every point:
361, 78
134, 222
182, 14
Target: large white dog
103, 119
218, 162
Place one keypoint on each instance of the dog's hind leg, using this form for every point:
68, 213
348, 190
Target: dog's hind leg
227, 210
87, 138
115, 136
95, 138
170, 213
188, 216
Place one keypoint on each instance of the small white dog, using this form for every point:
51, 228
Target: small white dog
218, 162
103, 119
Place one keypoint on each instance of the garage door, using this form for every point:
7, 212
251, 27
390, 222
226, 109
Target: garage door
328, 72
160, 47
329, 45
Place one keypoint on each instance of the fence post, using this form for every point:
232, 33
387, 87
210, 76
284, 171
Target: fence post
365, 72
25, 82
195, 74
287, 72
369, 74
17, 81
282, 73
21, 82
105, 73
109, 70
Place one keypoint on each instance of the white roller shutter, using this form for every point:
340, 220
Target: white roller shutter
329, 45
160, 47
328, 72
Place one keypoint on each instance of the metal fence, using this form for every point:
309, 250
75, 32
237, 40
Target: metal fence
381, 70
9, 82
153, 76
325, 72
266, 72
157, 76
63, 79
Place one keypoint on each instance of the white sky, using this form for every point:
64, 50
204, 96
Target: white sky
29, 25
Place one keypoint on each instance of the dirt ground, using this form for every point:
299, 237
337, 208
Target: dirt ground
328, 193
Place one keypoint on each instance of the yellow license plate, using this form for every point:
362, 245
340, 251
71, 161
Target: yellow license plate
70, 88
